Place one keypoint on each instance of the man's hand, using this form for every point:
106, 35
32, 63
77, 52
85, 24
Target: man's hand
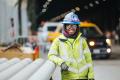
64, 67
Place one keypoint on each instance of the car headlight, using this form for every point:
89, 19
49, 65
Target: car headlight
108, 50
108, 41
91, 43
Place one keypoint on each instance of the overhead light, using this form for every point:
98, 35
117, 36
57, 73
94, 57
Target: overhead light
44, 10
44, 6
91, 5
49, 0
77, 8
97, 2
47, 3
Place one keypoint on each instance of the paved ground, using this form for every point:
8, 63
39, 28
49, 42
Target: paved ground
115, 52
107, 69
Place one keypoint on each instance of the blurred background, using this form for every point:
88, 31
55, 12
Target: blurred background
35, 23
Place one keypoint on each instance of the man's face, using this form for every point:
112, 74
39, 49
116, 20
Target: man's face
71, 29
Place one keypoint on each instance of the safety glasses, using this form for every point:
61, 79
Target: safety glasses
71, 26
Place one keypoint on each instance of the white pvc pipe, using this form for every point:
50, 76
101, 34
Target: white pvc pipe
25, 73
5, 75
9, 63
2, 60
44, 72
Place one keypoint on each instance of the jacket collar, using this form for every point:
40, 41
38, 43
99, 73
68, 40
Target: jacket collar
63, 38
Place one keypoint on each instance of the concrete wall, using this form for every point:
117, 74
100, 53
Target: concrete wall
8, 10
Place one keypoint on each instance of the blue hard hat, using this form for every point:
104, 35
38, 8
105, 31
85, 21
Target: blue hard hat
71, 18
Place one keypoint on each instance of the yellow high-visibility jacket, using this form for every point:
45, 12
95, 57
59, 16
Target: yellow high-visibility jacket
76, 54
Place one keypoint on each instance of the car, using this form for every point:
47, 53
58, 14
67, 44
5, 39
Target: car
99, 45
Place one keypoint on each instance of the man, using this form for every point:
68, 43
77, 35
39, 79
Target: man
42, 38
70, 51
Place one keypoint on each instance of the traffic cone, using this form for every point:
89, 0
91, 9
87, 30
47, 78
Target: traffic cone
36, 52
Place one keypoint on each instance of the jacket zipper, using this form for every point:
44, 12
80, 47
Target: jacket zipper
73, 55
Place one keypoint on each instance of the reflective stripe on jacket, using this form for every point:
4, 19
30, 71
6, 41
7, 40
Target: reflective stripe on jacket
75, 53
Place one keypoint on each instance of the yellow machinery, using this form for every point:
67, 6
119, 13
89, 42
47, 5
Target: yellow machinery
89, 24
52, 36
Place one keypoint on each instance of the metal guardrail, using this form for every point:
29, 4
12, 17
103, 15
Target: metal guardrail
26, 69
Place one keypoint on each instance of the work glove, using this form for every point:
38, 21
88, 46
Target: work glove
64, 67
